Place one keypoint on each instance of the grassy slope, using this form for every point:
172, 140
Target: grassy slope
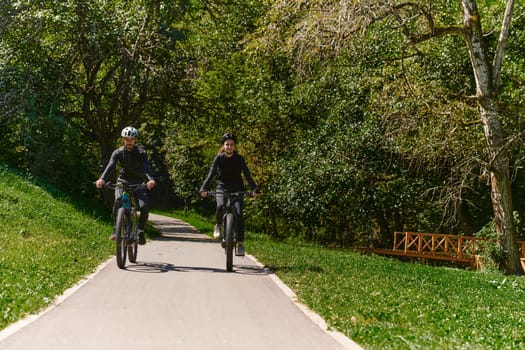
46, 246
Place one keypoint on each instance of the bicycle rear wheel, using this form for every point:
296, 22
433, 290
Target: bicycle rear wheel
228, 236
132, 244
121, 229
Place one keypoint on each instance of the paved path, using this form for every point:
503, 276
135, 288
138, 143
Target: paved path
177, 296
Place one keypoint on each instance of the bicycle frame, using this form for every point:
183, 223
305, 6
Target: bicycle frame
125, 216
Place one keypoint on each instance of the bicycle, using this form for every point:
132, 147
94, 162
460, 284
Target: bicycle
126, 218
229, 223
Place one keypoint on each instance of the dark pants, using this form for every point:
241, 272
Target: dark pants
141, 195
238, 205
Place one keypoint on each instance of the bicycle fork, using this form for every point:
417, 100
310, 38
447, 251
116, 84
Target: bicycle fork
132, 227
234, 229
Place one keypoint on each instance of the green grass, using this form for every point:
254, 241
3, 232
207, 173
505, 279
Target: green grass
46, 246
382, 303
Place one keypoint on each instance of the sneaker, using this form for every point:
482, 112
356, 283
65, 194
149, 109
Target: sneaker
240, 250
216, 232
113, 236
142, 239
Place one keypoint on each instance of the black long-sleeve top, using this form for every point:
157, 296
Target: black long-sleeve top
228, 171
134, 166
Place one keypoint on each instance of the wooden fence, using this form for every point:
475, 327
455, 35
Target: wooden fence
433, 246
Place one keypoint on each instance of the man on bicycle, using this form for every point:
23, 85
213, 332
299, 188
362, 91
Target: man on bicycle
134, 169
228, 165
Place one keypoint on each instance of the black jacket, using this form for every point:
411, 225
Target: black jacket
228, 171
134, 166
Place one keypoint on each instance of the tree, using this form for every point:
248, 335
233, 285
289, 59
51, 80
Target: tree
184, 160
216, 32
316, 31
113, 67
76, 72
487, 74
38, 137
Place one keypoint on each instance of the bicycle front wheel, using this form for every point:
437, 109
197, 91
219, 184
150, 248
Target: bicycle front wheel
121, 228
132, 244
228, 236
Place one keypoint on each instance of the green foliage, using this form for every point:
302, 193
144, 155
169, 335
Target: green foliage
352, 127
352, 142
396, 109
84, 71
47, 246
493, 253
352, 133
185, 164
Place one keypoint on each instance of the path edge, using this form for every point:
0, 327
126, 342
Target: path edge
342, 339
18, 325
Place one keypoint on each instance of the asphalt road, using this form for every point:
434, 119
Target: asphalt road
177, 296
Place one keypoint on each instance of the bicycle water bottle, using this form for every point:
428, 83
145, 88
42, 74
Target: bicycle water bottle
126, 201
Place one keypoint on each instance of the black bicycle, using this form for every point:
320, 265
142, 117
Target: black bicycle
126, 217
229, 223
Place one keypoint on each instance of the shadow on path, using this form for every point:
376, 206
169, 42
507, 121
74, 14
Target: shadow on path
159, 267
177, 230
186, 237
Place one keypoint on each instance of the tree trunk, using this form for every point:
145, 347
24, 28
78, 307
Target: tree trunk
501, 192
498, 165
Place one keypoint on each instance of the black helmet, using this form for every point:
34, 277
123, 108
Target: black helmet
228, 136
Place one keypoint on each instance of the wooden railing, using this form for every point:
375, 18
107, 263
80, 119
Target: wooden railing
461, 249
438, 245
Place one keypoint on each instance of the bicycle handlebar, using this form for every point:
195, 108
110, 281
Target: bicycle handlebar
124, 185
232, 194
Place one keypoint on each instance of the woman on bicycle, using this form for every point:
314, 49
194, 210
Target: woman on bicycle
134, 169
229, 166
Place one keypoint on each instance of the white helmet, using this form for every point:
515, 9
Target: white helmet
129, 131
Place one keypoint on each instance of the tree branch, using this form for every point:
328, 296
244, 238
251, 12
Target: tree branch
500, 49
